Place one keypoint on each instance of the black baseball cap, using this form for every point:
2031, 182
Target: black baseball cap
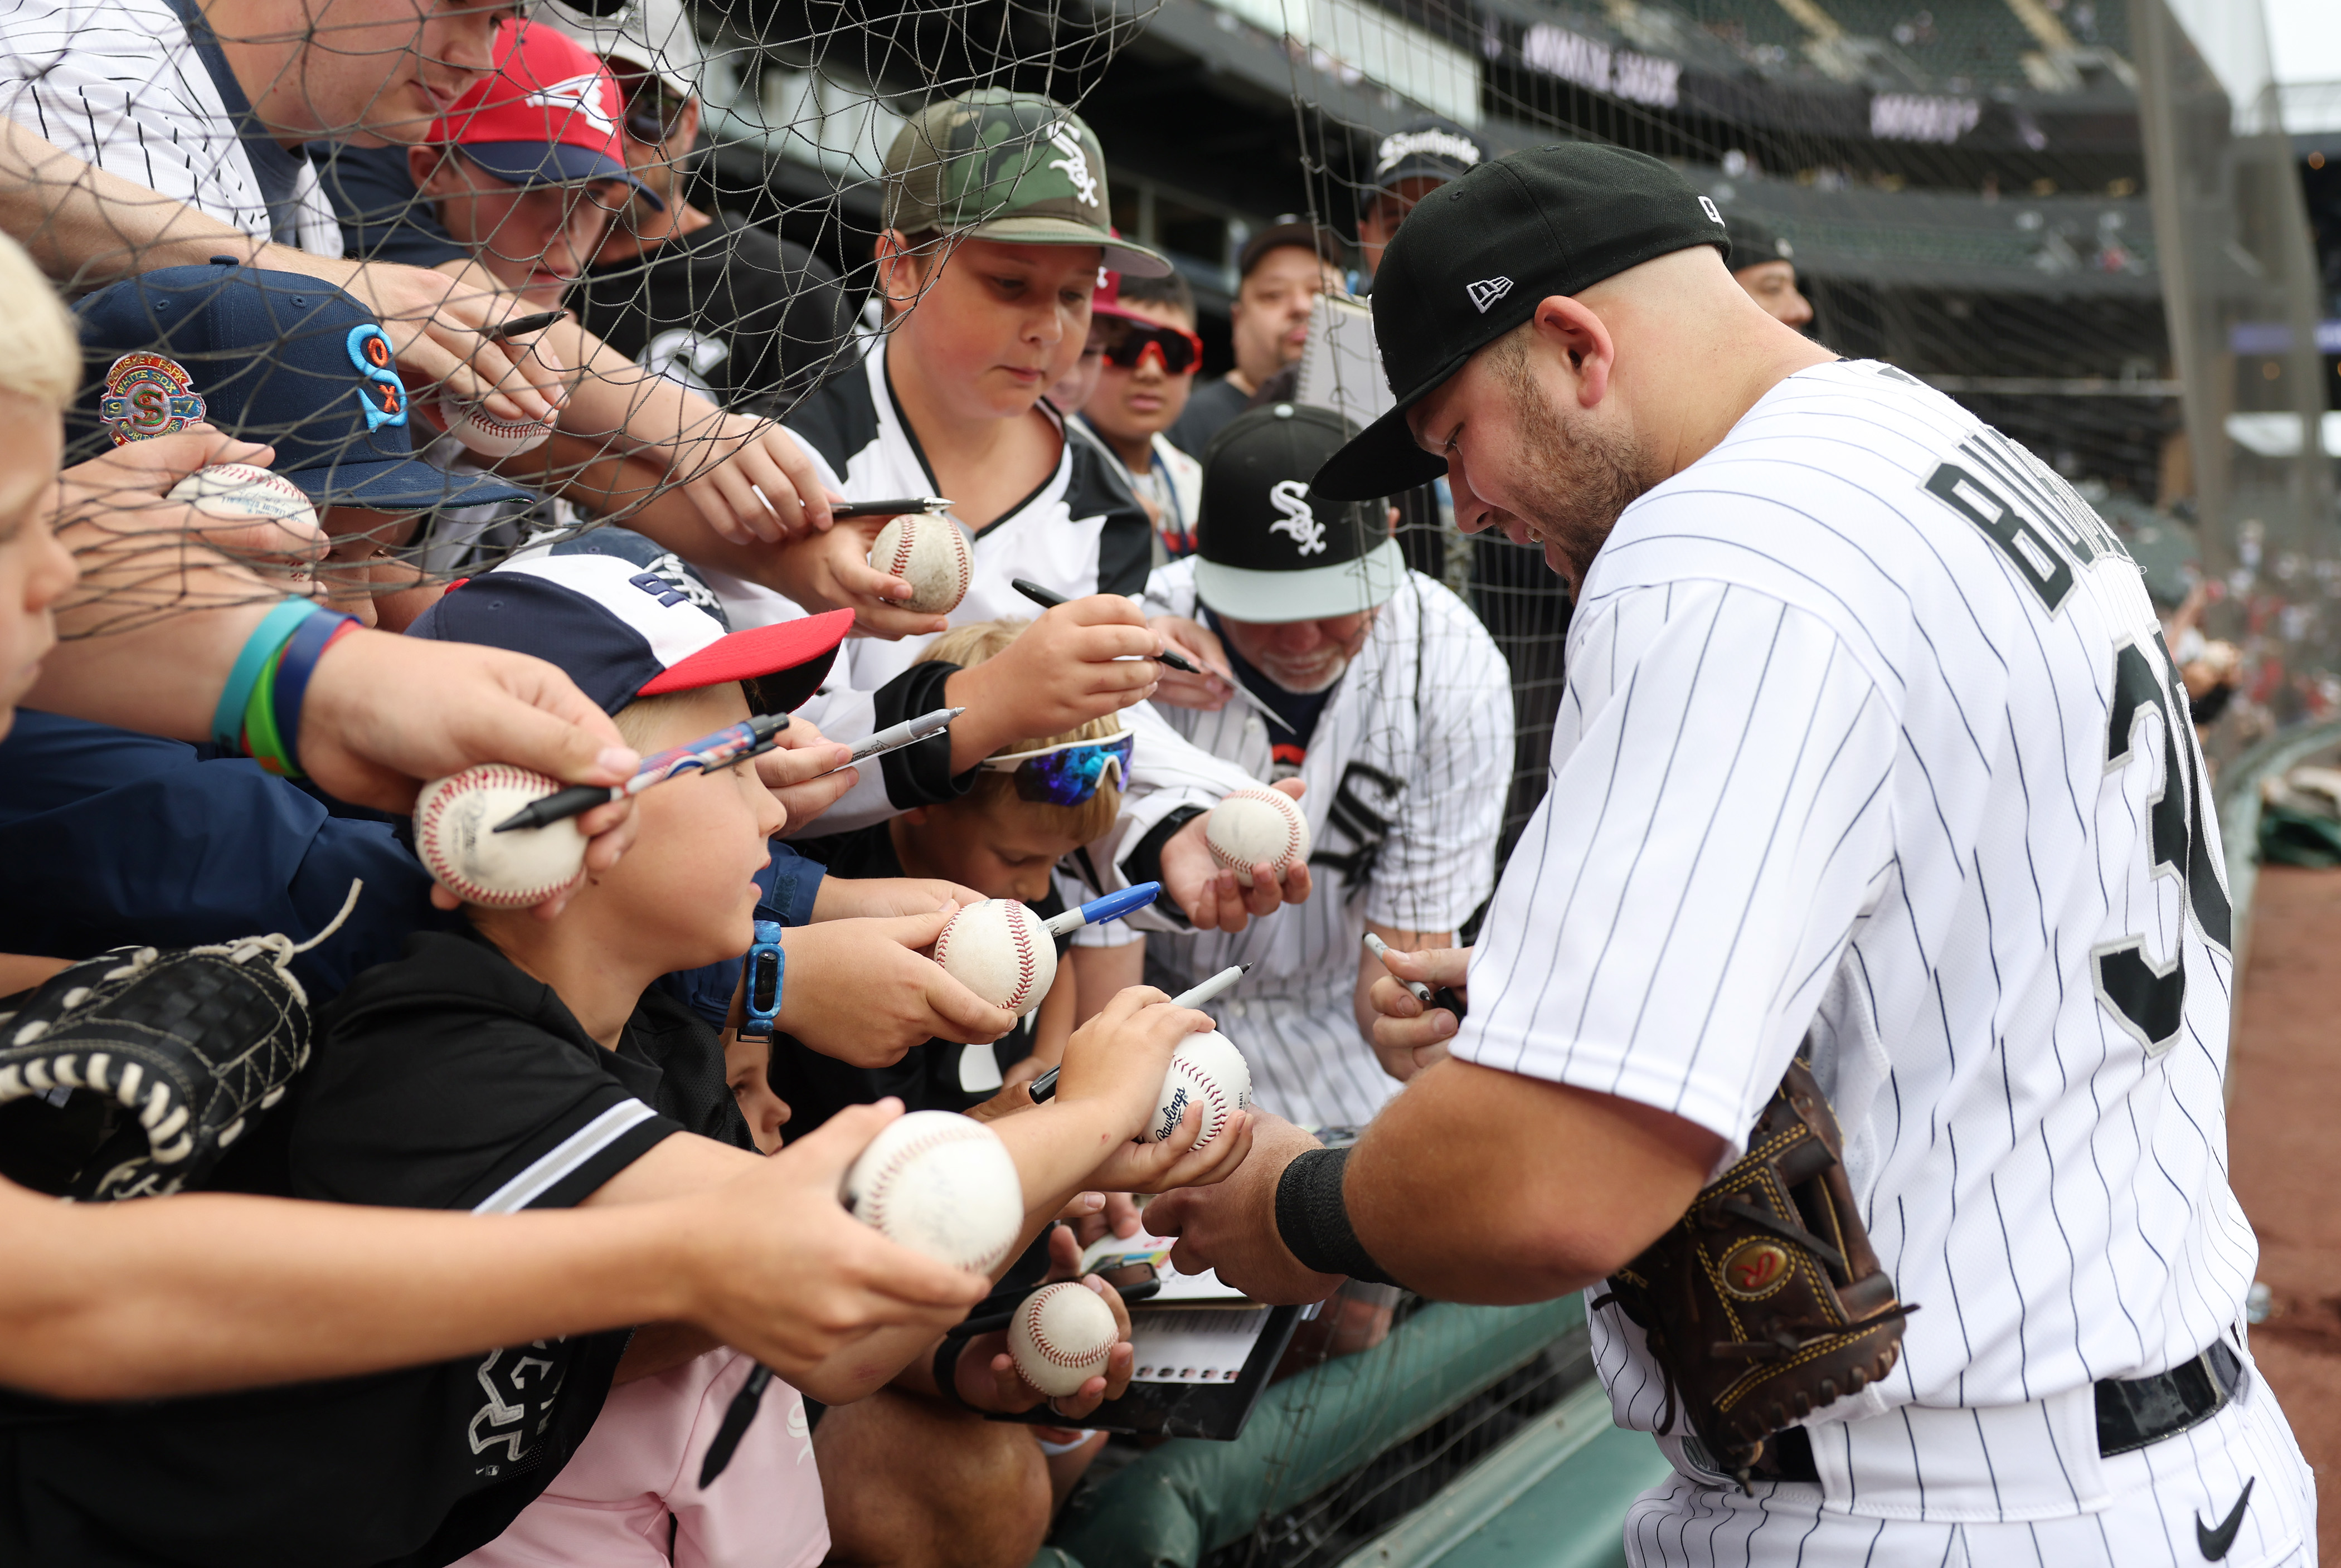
1271, 549
1479, 253
1289, 230
1431, 147
1755, 241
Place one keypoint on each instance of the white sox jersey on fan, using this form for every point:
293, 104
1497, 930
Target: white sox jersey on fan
1870, 735
1406, 770
1081, 533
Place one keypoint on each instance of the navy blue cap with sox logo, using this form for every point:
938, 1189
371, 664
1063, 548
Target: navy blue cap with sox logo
1476, 257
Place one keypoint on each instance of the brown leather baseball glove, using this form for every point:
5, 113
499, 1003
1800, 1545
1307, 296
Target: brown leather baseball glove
1765, 1302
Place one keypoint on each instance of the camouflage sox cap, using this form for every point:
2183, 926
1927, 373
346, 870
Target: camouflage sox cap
1013, 167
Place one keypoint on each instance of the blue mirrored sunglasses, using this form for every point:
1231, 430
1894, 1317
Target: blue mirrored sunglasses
1069, 774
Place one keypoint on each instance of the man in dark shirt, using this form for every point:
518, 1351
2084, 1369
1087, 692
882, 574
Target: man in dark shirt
1283, 270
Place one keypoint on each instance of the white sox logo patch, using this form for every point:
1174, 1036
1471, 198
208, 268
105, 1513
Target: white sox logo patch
1075, 162
1487, 292
1290, 497
579, 95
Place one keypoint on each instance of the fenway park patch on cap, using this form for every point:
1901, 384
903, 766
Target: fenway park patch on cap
147, 395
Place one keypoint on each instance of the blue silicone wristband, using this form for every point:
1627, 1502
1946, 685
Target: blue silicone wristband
756, 1023
301, 651
278, 624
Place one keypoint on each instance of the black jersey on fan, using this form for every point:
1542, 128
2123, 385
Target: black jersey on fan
731, 309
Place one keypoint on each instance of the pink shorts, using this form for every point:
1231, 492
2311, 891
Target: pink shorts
639, 1467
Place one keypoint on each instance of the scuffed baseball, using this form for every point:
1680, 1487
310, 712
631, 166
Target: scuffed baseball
1206, 1070
240, 492
930, 553
454, 822
485, 434
942, 1185
1252, 825
1060, 1337
1000, 950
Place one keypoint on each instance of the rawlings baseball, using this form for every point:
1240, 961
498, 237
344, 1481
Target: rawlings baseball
1062, 1336
930, 553
938, 1184
1252, 825
1000, 950
485, 434
239, 492
1206, 1070
453, 821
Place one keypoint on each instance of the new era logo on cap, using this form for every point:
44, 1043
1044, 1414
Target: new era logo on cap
1488, 291
1706, 205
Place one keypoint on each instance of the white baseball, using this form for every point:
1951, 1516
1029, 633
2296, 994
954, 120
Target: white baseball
930, 553
1255, 825
485, 434
1000, 950
1206, 1070
1062, 1336
454, 823
938, 1184
240, 492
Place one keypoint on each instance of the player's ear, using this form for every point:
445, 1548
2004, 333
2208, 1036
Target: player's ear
423, 164
1566, 328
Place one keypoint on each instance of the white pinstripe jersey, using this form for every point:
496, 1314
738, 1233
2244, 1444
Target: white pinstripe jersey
1869, 732
116, 84
1406, 771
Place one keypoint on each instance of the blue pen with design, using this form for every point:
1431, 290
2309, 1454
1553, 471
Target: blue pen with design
728, 745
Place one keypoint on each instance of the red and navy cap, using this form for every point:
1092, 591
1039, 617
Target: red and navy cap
623, 617
549, 116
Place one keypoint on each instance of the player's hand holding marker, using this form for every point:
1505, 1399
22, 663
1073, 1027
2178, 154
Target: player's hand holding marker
439, 327
1416, 1004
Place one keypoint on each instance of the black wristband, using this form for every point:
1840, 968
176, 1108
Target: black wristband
946, 1371
1144, 864
1314, 1220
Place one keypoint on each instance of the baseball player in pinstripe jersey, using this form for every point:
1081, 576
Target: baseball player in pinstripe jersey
1869, 752
1399, 723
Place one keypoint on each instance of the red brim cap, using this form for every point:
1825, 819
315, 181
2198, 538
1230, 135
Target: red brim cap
760, 651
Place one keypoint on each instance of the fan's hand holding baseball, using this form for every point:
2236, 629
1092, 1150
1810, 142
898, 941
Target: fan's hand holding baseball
792, 771
779, 1270
1115, 1065
437, 321
1403, 1026
123, 492
1179, 1160
1230, 1226
1215, 898
1208, 691
1077, 662
990, 1379
831, 570
860, 990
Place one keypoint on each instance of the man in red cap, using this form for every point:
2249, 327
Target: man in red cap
525, 170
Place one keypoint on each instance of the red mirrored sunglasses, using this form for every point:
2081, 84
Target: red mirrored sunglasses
1127, 344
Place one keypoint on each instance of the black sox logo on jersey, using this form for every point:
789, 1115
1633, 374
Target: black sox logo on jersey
1366, 826
2046, 530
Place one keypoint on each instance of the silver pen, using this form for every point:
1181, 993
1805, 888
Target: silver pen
894, 736
1382, 950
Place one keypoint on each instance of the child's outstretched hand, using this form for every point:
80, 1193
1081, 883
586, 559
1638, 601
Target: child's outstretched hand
1176, 1162
987, 1374
1114, 1064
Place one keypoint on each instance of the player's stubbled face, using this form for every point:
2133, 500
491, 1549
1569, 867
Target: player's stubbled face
35, 568
997, 325
365, 71
1523, 456
1301, 656
693, 894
